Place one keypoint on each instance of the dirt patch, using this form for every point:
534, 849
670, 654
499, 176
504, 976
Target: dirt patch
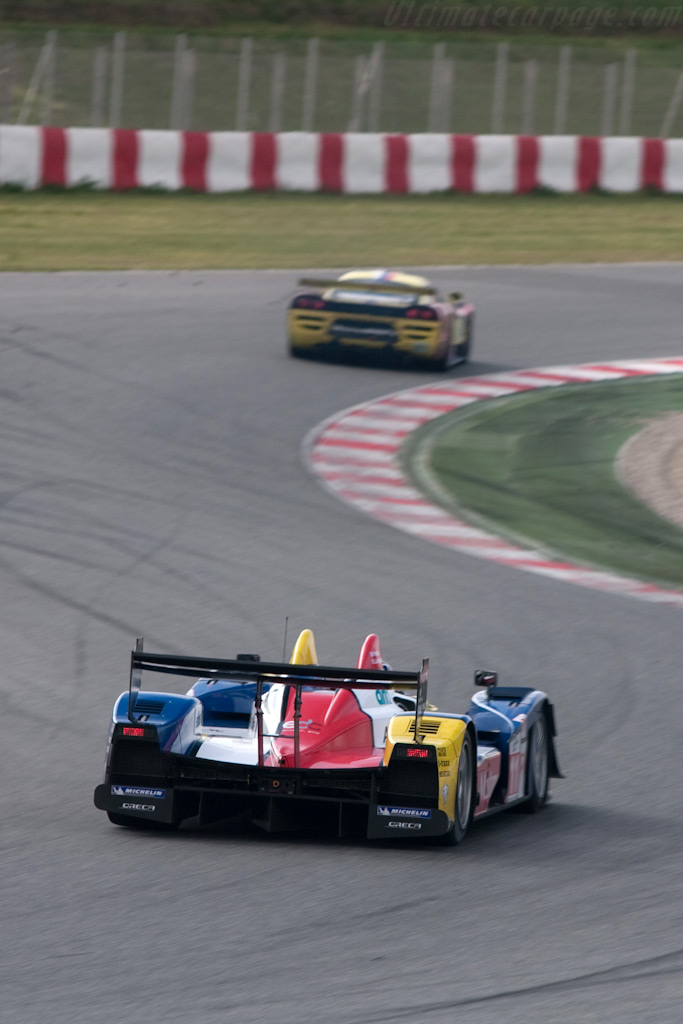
651, 465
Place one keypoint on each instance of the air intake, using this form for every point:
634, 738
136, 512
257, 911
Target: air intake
143, 706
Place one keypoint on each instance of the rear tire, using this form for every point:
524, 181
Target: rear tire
447, 360
464, 795
538, 758
298, 353
450, 357
465, 348
455, 354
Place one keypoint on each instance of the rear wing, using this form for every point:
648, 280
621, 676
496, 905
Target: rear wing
264, 672
367, 286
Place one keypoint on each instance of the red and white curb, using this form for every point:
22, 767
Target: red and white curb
355, 454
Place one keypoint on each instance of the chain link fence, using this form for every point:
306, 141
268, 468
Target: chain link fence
157, 81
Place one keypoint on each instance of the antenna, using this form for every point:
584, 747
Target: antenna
284, 642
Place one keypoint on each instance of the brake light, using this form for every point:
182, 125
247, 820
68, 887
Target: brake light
129, 730
308, 302
417, 752
421, 313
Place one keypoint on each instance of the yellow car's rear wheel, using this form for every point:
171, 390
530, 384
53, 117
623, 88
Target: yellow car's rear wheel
465, 348
300, 351
448, 359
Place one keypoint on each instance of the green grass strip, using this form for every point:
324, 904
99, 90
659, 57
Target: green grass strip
539, 469
387, 16
85, 230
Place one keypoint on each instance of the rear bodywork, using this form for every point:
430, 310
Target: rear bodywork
383, 312
295, 746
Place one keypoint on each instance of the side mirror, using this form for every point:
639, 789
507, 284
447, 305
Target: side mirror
484, 678
455, 296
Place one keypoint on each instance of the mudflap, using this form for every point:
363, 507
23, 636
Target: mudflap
392, 822
146, 803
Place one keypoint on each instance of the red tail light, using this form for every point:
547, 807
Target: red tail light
417, 752
129, 730
421, 313
309, 302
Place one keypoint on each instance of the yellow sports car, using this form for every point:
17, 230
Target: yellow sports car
385, 311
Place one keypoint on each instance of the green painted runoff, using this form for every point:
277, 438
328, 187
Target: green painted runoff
540, 468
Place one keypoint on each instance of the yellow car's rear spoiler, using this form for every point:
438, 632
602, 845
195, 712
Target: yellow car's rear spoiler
367, 286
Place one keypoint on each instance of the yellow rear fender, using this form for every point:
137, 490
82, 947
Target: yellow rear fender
304, 652
444, 734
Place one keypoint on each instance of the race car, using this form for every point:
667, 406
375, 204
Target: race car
303, 746
385, 312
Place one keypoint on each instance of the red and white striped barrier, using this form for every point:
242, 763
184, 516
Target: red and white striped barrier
356, 456
351, 163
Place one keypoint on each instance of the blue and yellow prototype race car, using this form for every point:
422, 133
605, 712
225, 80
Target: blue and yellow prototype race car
385, 312
356, 751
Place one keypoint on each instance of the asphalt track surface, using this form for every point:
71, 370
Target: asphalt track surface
152, 485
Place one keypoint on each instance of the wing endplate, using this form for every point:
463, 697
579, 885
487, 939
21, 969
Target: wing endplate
304, 652
370, 655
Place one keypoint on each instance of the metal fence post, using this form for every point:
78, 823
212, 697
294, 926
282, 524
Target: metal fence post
562, 97
49, 78
99, 79
376, 88
7, 61
310, 78
628, 81
440, 97
365, 71
277, 91
447, 80
242, 115
357, 107
178, 82
118, 63
672, 109
4, 90
609, 99
33, 85
438, 58
529, 96
188, 72
499, 86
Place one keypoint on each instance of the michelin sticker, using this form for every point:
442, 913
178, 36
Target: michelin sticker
138, 791
403, 812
